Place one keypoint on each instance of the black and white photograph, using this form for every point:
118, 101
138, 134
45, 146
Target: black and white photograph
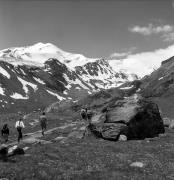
87, 89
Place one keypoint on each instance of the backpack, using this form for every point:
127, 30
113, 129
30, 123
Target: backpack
43, 120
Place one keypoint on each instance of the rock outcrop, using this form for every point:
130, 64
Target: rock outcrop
111, 131
133, 117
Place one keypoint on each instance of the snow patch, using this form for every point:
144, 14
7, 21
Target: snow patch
137, 164
89, 92
138, 90
127, 87
26, 83
18, 96
4, 72
65, 92
160, 78
54, 94
76, 81
23, 72
39, 80
2, 91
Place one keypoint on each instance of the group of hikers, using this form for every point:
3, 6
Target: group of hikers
19, 125
85, 113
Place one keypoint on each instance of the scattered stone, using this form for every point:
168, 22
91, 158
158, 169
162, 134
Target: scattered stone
11, 149
166, 122
25, 148
137, 164
171, 125
122, 137
15, 150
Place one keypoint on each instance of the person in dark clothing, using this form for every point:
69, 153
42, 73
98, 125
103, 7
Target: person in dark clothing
19, 126
83, 113
43, 122
5, 132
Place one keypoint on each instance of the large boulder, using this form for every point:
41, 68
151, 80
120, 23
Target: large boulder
133, 117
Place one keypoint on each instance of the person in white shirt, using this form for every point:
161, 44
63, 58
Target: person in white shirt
19, 125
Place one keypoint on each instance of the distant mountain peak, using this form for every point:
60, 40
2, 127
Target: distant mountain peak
37, 54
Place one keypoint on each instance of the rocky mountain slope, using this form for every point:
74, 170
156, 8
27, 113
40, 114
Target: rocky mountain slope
35, 76
160, 87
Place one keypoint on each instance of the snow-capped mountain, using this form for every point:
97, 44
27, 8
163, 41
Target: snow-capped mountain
35, 76
37, 54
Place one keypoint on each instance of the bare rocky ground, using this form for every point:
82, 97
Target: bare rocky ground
62, 154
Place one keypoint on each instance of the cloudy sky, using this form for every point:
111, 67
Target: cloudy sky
139, 33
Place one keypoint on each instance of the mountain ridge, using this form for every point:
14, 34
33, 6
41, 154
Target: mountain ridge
31, 83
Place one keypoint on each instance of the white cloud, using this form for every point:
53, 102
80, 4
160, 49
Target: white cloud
122, 54
168, 37
119, 54
151, 29
143, 63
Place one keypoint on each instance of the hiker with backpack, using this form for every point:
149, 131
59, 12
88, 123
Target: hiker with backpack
19, 126
5, 132
83, 113
43, 122
86, 115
